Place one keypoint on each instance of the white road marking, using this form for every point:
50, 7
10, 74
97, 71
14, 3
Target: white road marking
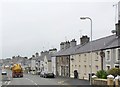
63, 82
5, 82
31, 81
8, 82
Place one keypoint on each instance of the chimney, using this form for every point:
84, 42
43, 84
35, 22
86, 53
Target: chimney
61, 45
73, 43
84, 39
44, 53
118, 29
33, 55
51, 51
66, 45
37, 54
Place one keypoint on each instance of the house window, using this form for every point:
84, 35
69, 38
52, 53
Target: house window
96, 53
85, 69
114, 53
116, 66
108, 55
85, 59
96, 59
72, 68
62, 59
72, 59
67, 60
79, 58
97, 67
108, 67
118, 54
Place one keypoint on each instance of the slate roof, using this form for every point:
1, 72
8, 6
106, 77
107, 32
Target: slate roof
41, 58
49, 57
115, 43
68, 51
99, 44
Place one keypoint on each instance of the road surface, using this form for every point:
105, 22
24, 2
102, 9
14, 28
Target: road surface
35, 80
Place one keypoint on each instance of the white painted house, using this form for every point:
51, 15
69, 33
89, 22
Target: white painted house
54, 65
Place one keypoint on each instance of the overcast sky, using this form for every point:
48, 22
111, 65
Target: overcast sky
29, 26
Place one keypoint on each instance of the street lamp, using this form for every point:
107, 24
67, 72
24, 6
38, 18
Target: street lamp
84, 18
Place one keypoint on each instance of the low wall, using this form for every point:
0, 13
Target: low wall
99, 82
104, 82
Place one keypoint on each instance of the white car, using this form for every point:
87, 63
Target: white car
4, 75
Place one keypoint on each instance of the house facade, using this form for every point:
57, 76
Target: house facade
81, 60
63, 58
105, 55
112, 52
54, 65
82, 64
43, 61
112, 58
63, 66
47, 63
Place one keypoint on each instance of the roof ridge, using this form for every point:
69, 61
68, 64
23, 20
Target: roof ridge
102, 38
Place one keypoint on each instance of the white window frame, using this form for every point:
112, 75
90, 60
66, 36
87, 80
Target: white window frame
116, 65
108, 65
97, 56
109, 55
117, 54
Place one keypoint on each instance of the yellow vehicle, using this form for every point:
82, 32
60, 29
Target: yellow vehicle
17, 71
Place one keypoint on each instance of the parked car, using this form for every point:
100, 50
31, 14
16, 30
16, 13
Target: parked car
4, 75
48, 75
42, 74
33, 72
38, 73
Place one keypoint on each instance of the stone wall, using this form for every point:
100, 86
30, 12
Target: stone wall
99, 82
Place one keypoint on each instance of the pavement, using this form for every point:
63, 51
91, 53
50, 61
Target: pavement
36, 80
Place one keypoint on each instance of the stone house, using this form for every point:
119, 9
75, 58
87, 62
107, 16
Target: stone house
63, 58
44, 61
105, 55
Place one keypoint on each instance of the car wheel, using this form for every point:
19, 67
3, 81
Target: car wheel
44, 76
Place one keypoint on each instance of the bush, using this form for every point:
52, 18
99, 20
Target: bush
102, 74
114, 72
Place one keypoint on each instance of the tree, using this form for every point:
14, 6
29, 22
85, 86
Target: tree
114, 71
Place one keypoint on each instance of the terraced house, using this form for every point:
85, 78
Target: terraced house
112, 52
81, 59
42, 62
63, 58
77, 58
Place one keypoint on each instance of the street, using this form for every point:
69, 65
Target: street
29, 79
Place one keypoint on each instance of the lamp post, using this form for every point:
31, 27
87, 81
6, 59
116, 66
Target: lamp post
84, 18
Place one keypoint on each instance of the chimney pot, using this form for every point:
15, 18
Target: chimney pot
84, 39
